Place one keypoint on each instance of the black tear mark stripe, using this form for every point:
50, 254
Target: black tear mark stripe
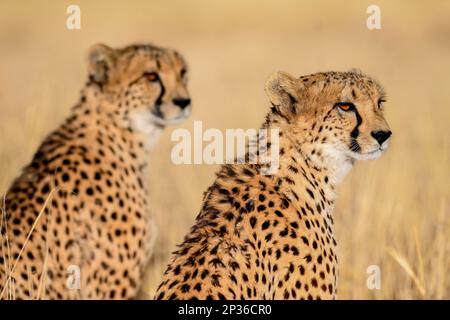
161, 94
158, 101
355, 132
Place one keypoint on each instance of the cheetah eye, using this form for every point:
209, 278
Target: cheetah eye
151, 76
183, 73
345, 106
380, 103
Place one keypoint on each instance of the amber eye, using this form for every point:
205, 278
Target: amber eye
345, 106
151, 76
380, 103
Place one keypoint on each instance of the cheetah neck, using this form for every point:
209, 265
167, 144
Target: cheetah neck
142, 134
298, 140
305, 182
305, 176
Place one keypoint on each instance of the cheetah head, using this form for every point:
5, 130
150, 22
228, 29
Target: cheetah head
146, 85
332, 115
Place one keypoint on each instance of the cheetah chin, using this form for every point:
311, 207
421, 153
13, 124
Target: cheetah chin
146, 122
154, 118
370, 155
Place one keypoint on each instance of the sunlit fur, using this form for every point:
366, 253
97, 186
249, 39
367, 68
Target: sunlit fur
322, 129
263, 236
83, 199
129, 97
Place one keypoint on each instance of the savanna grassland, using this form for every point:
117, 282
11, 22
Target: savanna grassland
393, 212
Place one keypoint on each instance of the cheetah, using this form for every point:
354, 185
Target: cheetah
261, 236
76, 223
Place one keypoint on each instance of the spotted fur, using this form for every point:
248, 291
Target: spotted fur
271, 236
82, 201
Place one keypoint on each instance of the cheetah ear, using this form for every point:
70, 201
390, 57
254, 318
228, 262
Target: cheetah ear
283, 91
101, 59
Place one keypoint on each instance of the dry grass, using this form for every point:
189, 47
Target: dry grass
8, 291
393, 212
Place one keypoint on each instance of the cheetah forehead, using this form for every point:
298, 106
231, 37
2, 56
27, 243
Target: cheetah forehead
353, 78
164, 57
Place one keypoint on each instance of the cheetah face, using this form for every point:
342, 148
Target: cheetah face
363, 133
147, 84
335, 115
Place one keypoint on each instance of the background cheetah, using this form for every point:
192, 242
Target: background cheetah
271, 237
82, 201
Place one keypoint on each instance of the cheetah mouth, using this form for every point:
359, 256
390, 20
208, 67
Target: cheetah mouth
147, 122
159, 119
368, 155
373, 152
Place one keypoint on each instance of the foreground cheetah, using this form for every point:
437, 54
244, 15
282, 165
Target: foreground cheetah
271, 236
79, 211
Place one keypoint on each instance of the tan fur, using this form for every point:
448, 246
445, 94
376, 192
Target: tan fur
271, 237
82, 201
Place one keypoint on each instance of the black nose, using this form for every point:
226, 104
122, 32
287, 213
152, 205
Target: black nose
381, 136
182, 103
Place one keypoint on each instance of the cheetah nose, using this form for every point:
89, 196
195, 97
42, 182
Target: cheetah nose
182, 103
381, 135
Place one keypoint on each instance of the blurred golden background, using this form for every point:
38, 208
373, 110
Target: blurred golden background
393, 212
